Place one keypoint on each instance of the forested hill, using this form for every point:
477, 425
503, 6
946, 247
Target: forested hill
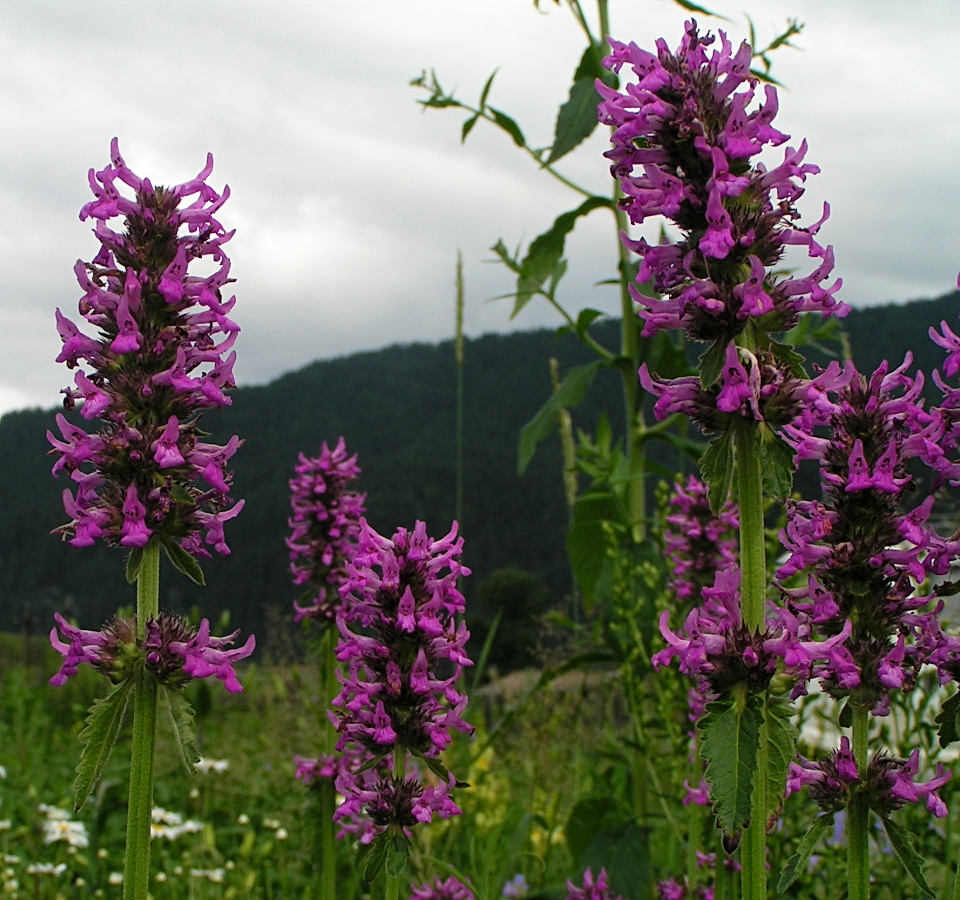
396, 409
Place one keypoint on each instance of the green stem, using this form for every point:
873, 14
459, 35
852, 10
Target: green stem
753, 580
858, 817
392, 891
328, 792
136, 863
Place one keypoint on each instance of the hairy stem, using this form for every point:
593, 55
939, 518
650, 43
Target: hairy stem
136, 863
858, 817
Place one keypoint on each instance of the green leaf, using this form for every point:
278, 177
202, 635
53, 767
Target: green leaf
576, 119
468, 127
711, 363
184, 731
571, 392
902, 842
798, 862
486, 89
716, 466
693, 7
546, 250
845, 718
587, 540
587, 819
947, 720
729, 740
98, 737
624, 851
377, 857
508, 125
398, 851
788, 359
781, 740
778, 468
183, 561
179, 493
134, 564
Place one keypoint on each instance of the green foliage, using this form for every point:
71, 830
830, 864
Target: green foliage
798, 862
98, 739
181, 716
949, 721
717, 468
780, 735
903, 845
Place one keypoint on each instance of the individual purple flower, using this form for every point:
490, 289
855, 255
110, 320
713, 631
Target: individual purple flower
591, 889
516, 887
325, 525
171, 650
163, 354
450, 889
685, 131
399, 695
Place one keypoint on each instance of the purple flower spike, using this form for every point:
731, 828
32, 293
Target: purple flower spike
204, 655
591, 889
450, 889
160, 357
403, 593
325, 527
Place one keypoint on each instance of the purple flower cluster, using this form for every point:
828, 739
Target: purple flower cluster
400, 694
451, 889
591, 889
163, 353
888, 782
698, 544
325, 525
174, 652
862, 548
684, 135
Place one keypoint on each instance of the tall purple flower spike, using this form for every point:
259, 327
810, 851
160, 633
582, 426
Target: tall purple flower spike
163, 353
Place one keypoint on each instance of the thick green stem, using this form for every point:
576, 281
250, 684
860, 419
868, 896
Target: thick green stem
136, 863
858, 817
328, 793
753, 581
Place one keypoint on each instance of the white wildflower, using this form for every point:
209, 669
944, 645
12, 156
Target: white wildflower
217, 766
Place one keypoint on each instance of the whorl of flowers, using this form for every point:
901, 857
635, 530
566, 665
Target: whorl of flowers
399, 695
698, 544
684, 135
591, 889
450, 889
325, 525
888, 782
862, 548
173, 651
162, 354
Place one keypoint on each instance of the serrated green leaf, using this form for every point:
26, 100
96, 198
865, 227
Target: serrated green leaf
508, 125
571, 392
716, 466
134, 564
729, 738
778, 468
181, 717
798, 862
398, 852
98, 737
711, 362
377, 857
183, 561
576, 119
546, 251
902, 842
947, 719
781, 740
788, 359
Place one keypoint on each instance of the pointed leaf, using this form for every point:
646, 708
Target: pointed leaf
509, 126
486, 89
788, 358
571, 392
377, 857
398, 851
181, 717
576, 119
729, 739
778, 467
98, 737
716, 466
902, 842
546, 251
134, 565
798, 862
468, 127
781, 740
947, 720
183, 561
711, 363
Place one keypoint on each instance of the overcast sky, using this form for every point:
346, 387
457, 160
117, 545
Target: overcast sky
350, 202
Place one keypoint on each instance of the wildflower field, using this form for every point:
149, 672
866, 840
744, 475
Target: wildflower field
748, 692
